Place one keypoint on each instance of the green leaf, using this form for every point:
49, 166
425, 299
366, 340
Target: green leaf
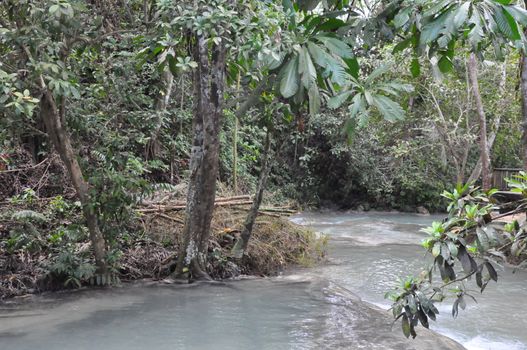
445, 65
338, 100
436, 250
358, 105
307, 5
406, 326
423, 319
172, 64
506, 24
465, 260
333, 68
306, 68
461, 15
290, 80
519, 14
476, 35
402, 45
402, 17
314, 99
492, 272
53, 9
483, 239
415, 67
353, 67
390, 110
376, 73
445, 252
453, 248
336, 46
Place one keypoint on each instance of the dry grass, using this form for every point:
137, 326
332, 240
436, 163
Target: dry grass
152, 245
276, 244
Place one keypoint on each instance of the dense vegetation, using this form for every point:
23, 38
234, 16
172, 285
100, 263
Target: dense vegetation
116, 114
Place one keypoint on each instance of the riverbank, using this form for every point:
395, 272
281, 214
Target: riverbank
42, 249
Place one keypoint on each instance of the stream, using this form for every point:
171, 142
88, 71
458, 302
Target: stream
368, 251
312, 308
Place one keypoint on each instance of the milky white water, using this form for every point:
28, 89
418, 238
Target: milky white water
368, 251
303, 309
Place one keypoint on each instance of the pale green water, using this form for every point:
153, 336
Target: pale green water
304, 309
369, 251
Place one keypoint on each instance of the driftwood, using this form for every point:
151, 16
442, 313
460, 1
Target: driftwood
220, 202
242, 200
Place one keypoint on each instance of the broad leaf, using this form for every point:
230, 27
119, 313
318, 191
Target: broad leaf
290, 79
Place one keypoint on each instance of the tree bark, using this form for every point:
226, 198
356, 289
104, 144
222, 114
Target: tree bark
483, 143
523, 83
241, 244
153, 148
54, 121
209, 82
476, 172
235, 144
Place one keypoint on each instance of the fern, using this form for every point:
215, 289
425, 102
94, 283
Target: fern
29, 215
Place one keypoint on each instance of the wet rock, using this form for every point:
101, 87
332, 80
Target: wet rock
422, 210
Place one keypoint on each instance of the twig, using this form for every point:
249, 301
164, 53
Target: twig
170, 218
23, 169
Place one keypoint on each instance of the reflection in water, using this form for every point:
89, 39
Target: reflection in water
370, 251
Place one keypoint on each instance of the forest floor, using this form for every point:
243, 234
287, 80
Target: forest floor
39, 250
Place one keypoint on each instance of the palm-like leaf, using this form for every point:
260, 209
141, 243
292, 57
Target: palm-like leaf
315, 60
369, 93
436, 26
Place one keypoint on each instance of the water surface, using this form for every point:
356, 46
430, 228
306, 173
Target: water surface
317, 308
368, 251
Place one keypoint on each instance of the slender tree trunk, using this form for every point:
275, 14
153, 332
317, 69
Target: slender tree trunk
235, 144
54, 121
153, 148
209, 82
523, 83
476, 172
483, 144
242, 243
235, 156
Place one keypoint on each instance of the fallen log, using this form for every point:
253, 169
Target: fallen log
279, 210
162, 204
161, 208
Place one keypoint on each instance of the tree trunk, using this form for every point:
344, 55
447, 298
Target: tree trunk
242, 243
153, 147
483, 144
54, 121
235, 144
209, 81
523, 83
476, 172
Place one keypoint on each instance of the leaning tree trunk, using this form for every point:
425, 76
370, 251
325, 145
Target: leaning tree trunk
242, 243
483, 144
54, 121
476, 172
209, 82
